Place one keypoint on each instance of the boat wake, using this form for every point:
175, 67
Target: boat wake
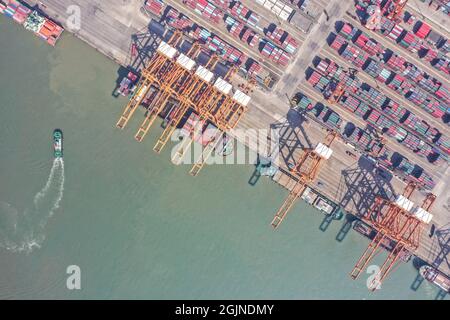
22, 232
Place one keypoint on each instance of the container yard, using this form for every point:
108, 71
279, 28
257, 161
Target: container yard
362, 89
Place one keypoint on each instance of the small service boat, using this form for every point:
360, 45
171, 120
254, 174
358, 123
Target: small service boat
57, 143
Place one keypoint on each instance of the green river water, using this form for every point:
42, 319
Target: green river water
137, 225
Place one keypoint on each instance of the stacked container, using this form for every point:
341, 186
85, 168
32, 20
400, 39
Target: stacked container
373, 96
423, 31
242, 12
275, 53
395, 33
396, 62
283, 39
369, 45
349, 102
354, 55
331, 69
318, 81
234, 26
386, 26
223, 4
21, 14
154, 6
348, 31
178, 21
338, 43
226, 51
304, 103
206, 9
199, 33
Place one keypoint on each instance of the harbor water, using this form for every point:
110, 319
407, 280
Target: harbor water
136, 225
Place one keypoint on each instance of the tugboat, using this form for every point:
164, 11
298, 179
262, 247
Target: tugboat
57, 143
434, 276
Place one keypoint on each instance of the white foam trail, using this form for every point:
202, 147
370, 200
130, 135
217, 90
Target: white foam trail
60, 189
41, 194
28, 233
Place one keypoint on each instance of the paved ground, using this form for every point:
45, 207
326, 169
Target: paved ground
107, 26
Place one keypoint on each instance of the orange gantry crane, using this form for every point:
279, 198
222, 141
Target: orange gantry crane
218, 95
394, 8
209, 108
373, 22
336, 94
159, 64
224, 112
209, 98
171, 75
337, 88
232, 111
397, 222
174, 83
306, 171
196, 91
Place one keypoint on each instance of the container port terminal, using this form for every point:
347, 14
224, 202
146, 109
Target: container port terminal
358, 92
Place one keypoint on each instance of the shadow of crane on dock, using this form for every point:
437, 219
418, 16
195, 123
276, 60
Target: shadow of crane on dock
292, 136
443, 239
358, 188
349, 218
143, 45
441, 252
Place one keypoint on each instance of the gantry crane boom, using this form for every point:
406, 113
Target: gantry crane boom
172, 86
221, 115
142, 89
214, 97
232, 111
394, 8
295, 193
368, 254
172, 78
397, 224
198, 102
186, 142
193, 93
206, 152
306, 171
382, 222
148, 78
202, 107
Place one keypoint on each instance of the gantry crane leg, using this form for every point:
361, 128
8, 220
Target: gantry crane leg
296, 192
133, 104
150, 118
143, 86
387, 266
370, 252
233, 119
168, 131
178, 77
186, 143
207, 151
194, 88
